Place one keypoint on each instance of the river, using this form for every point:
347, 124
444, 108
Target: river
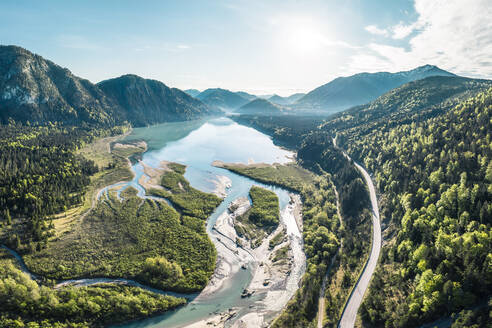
197, 144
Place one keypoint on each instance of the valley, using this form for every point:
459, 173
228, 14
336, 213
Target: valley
365, 202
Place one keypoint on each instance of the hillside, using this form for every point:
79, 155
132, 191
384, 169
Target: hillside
143, 101
223, 99
261, 106
39, 91
416, 100
426, 145
358, 89
435, 178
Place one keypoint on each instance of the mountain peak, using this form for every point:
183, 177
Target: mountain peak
261, 106
39, 91
345, 92
222, 98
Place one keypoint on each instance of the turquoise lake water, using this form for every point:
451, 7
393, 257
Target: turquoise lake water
197, 144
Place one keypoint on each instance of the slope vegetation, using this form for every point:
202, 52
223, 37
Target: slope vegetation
35, 90
143, 101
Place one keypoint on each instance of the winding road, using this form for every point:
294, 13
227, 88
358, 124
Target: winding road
355, 299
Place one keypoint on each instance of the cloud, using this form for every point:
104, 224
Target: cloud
373, 29
401, 30
454, 35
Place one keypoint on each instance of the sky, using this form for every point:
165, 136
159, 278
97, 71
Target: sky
262, 47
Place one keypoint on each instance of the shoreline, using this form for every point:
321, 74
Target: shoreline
222, 185
273, 283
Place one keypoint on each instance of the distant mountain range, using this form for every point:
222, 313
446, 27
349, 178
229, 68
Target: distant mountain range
276, 99
261, 106
192, 92
224, 99
231, 101
428, 97
358, 89
39, 91
340, 94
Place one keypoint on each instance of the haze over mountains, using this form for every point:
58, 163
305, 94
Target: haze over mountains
192, 92
39, 91
279, 100
428, 97
223, 99
358, 89
337, 95
261, 106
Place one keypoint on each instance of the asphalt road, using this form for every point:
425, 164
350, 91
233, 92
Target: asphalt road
351, 308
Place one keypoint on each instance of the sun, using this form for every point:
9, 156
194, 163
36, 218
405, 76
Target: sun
301, 35
305, 39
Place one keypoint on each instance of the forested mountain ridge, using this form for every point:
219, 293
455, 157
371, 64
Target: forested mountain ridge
435, 180
36, 90
416, 100
427, 144
144, 101
358, 89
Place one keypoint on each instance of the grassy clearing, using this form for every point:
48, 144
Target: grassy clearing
290, 176
113, 167
26, 303
281, 255
278, 239
148, 241
189, 201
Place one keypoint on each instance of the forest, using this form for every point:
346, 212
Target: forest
50, 171
41, 175
435, 180
322, 234
261, 219
28, 303
431, 161
146, 240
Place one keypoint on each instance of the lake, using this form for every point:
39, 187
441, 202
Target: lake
197, 144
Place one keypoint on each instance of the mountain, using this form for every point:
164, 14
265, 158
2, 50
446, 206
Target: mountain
413, 101
192, 92
265, 96
144, 101
279, 100
221, 98
246, 95
261, 106
39, 91
358, 89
